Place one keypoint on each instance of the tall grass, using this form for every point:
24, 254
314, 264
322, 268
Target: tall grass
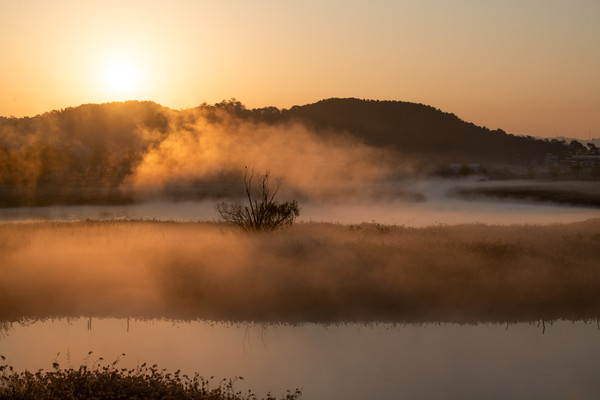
109, 382
308, 272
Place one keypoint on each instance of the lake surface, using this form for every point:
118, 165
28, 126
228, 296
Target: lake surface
350, 361
436, 208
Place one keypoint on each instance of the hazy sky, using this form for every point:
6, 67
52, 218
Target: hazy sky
528, 67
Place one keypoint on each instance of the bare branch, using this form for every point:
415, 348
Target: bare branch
262, 212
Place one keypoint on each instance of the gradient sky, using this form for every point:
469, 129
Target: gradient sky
528, 67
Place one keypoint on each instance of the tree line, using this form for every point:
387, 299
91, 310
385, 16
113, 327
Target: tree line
101, 145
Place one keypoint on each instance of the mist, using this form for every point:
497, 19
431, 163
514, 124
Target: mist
133, 153
123, 153
311, 272
135, 189
198, 151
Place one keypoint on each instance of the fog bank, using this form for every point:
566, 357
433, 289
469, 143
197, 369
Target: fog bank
198, 150
309, 272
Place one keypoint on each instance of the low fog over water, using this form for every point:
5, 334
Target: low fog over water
308, 272
413, 203
376, 241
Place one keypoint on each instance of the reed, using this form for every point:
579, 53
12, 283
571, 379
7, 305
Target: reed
313, 272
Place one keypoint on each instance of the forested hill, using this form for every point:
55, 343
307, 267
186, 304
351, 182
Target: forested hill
92, 144
103, 143
413, 128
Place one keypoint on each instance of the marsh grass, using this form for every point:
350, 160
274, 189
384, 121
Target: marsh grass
107, 381
311, 272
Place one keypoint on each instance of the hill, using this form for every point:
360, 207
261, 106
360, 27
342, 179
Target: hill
410, 128
85, 154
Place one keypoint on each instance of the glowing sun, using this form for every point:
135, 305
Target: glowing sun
122, 76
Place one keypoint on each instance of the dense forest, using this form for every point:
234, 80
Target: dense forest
86, 154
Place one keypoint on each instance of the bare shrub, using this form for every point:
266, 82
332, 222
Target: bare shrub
262, 213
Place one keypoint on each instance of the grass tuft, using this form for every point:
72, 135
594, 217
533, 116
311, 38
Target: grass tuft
108, 382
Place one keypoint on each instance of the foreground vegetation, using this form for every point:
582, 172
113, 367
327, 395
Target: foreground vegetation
109, 382
308, 272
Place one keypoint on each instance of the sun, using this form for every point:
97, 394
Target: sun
122, 77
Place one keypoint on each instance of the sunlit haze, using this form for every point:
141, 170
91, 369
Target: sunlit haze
379, 199
122, 77
527, 67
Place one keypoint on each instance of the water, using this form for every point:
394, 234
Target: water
350, 361
438, 208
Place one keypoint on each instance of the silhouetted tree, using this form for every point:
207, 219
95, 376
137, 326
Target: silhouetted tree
262, 212
577, 148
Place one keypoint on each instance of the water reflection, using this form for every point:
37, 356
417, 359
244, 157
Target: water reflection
351, 361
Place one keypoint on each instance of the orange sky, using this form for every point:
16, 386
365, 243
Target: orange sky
528, 67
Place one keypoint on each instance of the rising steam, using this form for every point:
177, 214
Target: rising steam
309, 272
113, 153
196, 149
